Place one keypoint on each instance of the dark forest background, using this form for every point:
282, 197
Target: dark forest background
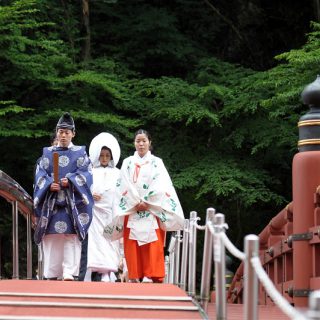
216, 83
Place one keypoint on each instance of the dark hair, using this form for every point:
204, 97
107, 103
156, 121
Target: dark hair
142, 131
106, 148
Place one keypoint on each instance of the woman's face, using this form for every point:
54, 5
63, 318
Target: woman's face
105, 157
142, 144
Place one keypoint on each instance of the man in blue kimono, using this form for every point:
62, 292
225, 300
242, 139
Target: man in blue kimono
63, 202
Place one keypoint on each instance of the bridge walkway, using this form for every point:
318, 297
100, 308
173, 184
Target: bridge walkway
46, 300
41, 299
235, 312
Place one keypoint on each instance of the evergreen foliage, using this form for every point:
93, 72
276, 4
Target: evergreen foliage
197, 75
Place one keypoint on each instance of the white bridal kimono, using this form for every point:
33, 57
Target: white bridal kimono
103, 255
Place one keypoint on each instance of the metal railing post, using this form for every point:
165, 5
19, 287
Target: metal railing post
207, 261
220, 268
166, 267
314, 305
250, 287
177, 257
29, 248
171, 251
192, 254
184, 255
15, 241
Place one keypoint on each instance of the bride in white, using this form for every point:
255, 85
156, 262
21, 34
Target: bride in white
103, 255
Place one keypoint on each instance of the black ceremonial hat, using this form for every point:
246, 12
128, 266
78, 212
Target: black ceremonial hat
66, 122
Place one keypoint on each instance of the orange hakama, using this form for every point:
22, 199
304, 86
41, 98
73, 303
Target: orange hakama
146, 260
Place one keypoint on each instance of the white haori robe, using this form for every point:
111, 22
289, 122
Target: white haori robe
103, 255
145, 180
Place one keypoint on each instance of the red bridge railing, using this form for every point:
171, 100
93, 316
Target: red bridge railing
290, 258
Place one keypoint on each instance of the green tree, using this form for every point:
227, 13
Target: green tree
184, 70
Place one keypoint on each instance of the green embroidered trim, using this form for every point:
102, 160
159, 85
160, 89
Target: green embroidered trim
143, 214
173, 204
162, 216
119, 229
108, 230
129, 165
122, 204
148, 195
154, 163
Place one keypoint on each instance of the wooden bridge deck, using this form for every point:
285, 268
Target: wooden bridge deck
235, 312
53, 300
93, 300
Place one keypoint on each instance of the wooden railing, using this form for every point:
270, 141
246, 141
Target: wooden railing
277, 249
22, 203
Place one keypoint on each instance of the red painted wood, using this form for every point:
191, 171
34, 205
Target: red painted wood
97, 288
305, 180
235, 312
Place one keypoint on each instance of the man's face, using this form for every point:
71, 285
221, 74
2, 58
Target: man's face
64, 137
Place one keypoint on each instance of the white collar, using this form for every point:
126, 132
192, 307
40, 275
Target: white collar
145, 157
110, 165
69, 146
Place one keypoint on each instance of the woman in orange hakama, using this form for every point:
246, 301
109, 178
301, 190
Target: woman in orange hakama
148, 206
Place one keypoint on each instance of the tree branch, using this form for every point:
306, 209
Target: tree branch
224, 18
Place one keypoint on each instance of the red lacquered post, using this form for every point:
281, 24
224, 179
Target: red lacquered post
305, 180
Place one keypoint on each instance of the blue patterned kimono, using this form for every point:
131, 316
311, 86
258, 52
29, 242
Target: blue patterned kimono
68, 211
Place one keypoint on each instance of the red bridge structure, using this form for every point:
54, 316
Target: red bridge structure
290, 244
278, 277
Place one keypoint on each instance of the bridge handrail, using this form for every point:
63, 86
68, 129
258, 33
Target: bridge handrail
278, 299
231, 247
198, 226
21, 202
215, 243
12, 191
